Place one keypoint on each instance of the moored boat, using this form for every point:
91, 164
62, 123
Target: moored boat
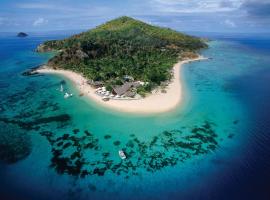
67, 95
61, 88
122, 154
105, 98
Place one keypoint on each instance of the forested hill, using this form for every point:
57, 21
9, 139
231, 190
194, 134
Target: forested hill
120, 47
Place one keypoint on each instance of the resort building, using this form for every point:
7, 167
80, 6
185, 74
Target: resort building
125, 89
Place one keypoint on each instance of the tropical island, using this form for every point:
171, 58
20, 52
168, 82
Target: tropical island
125, 59
22, 34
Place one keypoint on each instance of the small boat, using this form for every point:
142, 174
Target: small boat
67, 95
105, 98
122, 154
61, 88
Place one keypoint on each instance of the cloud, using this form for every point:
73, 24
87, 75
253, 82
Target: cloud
86, 9
230, 23
2, 20
196, 6
226, 4
35, 6
201, 15
40, 21
257, 8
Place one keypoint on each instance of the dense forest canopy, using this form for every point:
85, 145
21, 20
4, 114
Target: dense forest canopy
120, 47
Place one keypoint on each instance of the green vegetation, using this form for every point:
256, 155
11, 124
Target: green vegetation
123, 46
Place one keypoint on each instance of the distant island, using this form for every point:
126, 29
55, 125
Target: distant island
123, 58
22, 34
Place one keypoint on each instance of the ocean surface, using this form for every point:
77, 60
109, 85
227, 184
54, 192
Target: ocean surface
216, 145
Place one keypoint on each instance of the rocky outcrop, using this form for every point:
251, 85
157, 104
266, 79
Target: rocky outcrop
22, 34
31, 71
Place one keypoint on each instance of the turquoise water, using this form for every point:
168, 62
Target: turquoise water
70, 146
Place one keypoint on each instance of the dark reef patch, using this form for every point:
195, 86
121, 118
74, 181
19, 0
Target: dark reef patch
19, 109
117, 143
107, 137
71, 151
32, 71
21, 113
75, 131
30, 125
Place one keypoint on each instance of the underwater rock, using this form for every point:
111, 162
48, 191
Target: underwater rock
60, 144
32, 71
67, 145
75, 131
107, 137
100, 171
117, 143
105, 154
87, 133
130, 144
63, 82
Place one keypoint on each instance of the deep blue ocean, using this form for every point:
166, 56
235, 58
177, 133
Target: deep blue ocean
214, 146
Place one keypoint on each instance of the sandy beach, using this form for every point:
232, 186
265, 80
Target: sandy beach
157, 102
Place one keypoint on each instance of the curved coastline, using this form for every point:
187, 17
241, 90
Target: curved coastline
154, 103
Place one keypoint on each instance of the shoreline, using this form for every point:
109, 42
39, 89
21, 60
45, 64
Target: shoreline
154, 103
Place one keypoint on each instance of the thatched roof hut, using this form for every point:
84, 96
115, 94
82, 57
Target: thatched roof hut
120, 90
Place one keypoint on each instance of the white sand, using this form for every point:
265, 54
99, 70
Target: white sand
154, 103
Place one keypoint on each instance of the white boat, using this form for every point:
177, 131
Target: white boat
67, 95
122, 154
61, 88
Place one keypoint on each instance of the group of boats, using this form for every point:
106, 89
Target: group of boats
106, 95
66, 95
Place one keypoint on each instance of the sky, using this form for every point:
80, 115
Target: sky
240, 16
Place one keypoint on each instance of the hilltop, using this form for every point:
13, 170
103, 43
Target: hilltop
123, 47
